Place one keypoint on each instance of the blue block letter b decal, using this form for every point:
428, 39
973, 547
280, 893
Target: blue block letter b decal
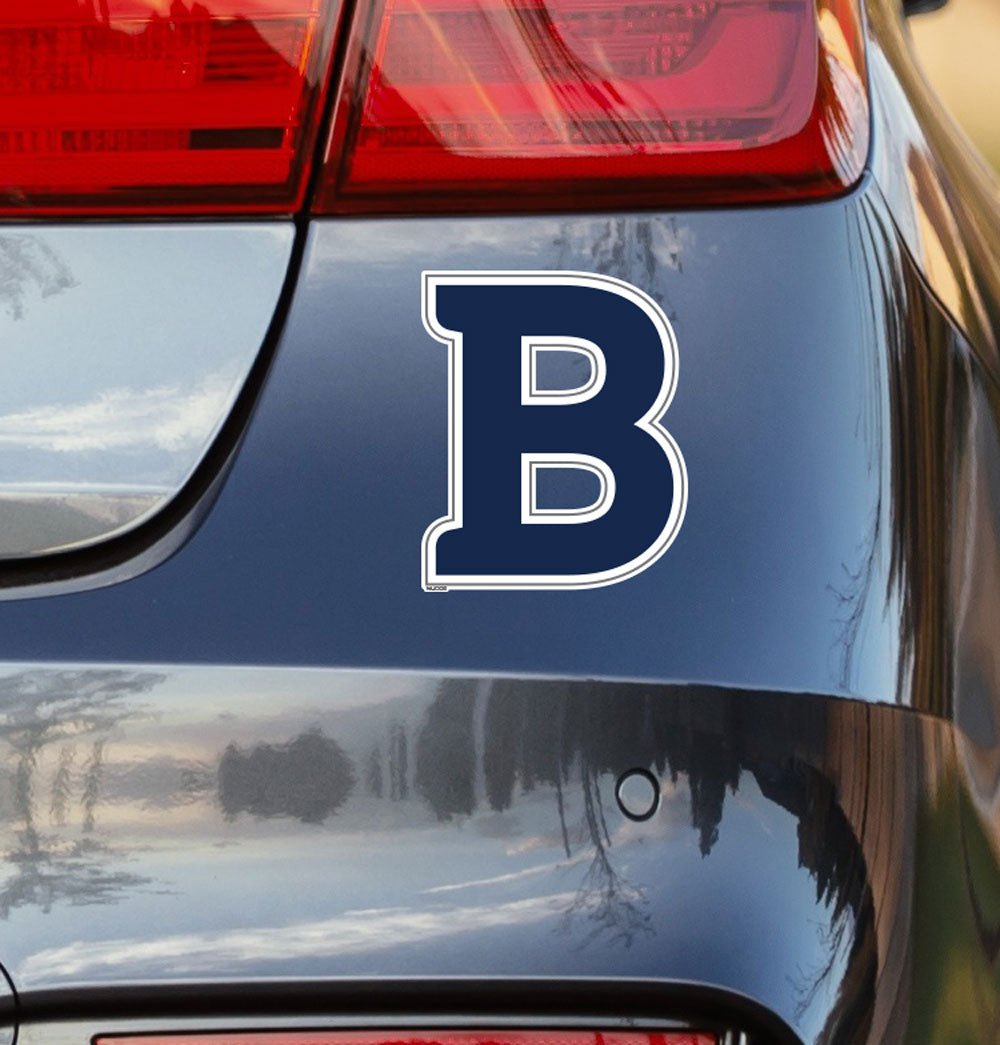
511, 432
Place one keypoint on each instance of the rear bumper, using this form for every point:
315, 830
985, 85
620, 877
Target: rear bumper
291, 829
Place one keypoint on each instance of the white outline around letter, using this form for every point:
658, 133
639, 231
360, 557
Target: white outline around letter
531, 514
532, 395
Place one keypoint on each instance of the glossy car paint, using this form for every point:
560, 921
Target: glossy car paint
269, 852
170, 825
100, 431
823, 693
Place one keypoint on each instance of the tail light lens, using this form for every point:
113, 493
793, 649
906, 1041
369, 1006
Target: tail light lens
213, 106
403, 1037
142, 106
493, 104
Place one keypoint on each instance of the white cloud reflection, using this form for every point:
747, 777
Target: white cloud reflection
169, 418
504, 879
352, 932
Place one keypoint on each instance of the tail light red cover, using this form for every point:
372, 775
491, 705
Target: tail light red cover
214, 106
149, 106
494, 104
509, 1037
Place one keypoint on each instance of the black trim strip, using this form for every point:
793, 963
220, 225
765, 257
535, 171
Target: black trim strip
495, 1000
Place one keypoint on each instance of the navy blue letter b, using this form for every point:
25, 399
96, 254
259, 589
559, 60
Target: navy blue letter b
511, 434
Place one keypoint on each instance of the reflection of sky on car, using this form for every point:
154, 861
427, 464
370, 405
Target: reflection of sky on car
115, 378
160, 819
138, 361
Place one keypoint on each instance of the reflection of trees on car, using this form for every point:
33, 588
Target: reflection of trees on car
638, 251
445, 770
549, 748
29, 265
69, 708
933, 507
308, 778
578, 737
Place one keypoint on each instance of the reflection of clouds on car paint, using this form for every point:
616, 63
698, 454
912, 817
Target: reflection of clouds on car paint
503, 879
139, 788
360, 241
662, 239
153, 301
169, 417
76, 472
110, 397
351, 932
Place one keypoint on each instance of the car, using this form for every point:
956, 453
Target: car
499, 527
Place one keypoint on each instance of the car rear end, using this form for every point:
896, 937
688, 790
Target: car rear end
266, 775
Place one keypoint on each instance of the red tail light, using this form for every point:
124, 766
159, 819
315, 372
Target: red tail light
494, 104
158, 105
514, 1037
212, 106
